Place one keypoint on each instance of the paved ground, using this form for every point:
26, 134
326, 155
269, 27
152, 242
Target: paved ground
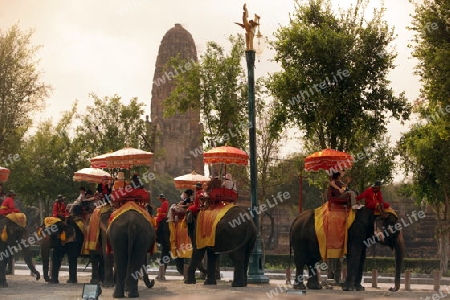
23, 286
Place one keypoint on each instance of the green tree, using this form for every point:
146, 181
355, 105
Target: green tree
333, 85
217, 86
21, 91
109, 125
46, 166
424, 149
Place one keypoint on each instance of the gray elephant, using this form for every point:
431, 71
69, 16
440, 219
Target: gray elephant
130, 236
14, 238
305, 244
70, 245
235, 239
102, 262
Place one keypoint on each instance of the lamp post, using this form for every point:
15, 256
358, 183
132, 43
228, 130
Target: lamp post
256, 263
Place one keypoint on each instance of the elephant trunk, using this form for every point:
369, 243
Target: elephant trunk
399, 256
27, 256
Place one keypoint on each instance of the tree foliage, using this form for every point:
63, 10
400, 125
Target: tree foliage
109, 125
424, 149
334, 84
216, 86
21, 91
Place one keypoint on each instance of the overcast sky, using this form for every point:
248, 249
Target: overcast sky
110, 46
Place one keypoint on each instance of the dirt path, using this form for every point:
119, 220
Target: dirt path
25, 287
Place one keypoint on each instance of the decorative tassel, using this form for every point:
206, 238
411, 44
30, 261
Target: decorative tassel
4, 234
39, 232
63, 236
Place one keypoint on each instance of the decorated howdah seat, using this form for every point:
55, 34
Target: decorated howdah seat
140, 196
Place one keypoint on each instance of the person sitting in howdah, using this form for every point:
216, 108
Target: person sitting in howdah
8, 205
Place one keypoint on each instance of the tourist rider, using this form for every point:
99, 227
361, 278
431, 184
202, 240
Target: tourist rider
59, 208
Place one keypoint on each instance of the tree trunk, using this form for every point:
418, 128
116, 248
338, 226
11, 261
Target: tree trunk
272, 230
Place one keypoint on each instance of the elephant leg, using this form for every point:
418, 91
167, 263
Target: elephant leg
179, 263
57, 256
299, 264
109, 273
95, 267
238, 259
3, 282
120, 269
313, 278
72, 255
136, 266
9, 264
197, 256
211, 268
359, 272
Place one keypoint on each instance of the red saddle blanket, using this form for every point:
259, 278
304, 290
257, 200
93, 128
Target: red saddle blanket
331, 230
205, 233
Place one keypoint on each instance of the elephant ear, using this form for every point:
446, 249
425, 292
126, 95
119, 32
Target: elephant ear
4, 235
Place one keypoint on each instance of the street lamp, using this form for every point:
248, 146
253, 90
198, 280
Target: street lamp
256, 263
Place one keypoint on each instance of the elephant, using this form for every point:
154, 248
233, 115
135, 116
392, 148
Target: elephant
304, 242
163, 238
131, 236
102, 262
73, 246
14, 238
236, 239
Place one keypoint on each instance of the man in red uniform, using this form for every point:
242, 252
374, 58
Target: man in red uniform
373, 198
198, 194
162, 210
59, 208
8, 205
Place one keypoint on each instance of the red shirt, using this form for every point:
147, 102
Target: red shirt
59, 209
196, 206
8, 206
371, 198
162, 211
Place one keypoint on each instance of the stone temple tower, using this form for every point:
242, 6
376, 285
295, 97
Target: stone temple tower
177, 140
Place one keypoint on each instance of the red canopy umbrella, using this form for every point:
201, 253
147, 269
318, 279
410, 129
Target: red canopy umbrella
124, 158
329, 160
225, 155
92, 175
189, 180
4, 174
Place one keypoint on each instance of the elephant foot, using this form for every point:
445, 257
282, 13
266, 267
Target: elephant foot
46, 278
394, 289
3, 284
53, 281
313, 286
134, 294
238, 284
163, 278
210, 282
71, 281
299, 286
118, 294
348, 288
190, 281
93, 281
108, 284
8, 272
359, 288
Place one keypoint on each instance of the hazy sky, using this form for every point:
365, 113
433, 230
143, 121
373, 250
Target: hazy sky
110, 46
